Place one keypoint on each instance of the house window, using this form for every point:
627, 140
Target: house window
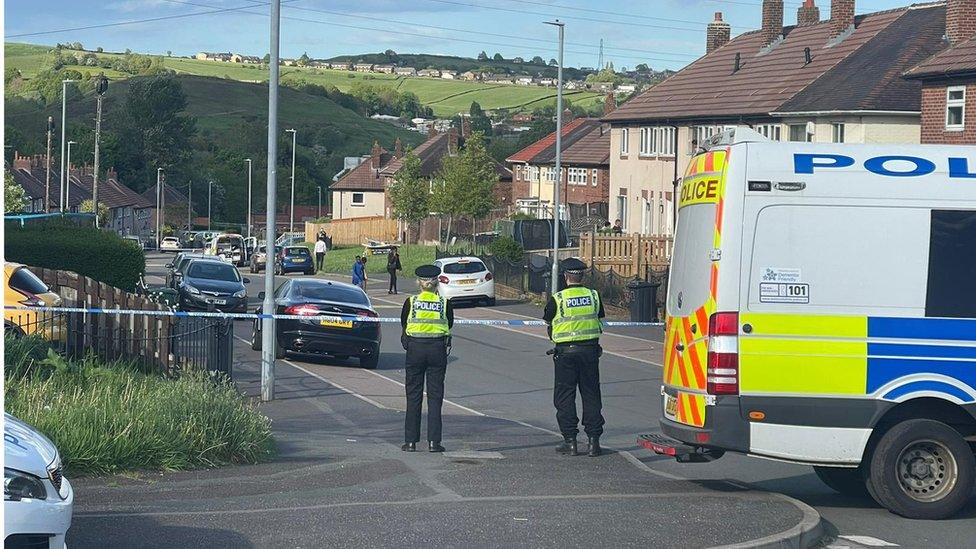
770, 131
798, 132
837, 133
518, 172
657, 141
624, 142
647, 221
622, 210
645, 141
956, 108
358, 199
596, 176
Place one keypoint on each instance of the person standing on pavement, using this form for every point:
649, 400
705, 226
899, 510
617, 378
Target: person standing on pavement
426, 319
359, 273
392, 266
573, 317
320, 249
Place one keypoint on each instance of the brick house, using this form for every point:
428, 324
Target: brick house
949, 81
838, 80
361, 191
585, 177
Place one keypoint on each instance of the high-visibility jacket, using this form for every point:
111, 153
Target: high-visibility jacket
428, 316
577, 315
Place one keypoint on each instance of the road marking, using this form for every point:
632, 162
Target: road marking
604, 333
474, 454
869, 541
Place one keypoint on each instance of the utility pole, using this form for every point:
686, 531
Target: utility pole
67, 179
189, 206
47, 161
599, 65
100, 88
64, 117
209, 203
559, 153
159, 206
248, 160
268, 339
318, 214
291, 219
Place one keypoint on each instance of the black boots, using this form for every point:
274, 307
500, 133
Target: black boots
409, 447
435, 447
594, 447
568, 447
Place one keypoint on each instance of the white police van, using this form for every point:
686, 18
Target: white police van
821, 310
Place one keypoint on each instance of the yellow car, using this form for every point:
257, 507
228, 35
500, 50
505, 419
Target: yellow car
24, 288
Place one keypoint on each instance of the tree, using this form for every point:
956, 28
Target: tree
537, 60
103, 213
266, 59
483, 56
479, 120
553, 63
466, 182
14, 196
410, 192
303, 60
642, 67
498, 57
169, 53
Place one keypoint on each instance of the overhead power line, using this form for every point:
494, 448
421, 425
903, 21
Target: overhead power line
605, 12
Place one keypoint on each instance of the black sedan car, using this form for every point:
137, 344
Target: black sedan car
211, 284
340, 336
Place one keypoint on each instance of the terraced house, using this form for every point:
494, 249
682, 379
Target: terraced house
837, 80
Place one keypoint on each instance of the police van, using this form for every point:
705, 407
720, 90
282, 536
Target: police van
821, 310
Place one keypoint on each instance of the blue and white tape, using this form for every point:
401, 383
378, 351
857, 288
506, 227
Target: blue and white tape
253, 316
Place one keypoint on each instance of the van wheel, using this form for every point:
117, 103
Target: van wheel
849, 482
922, 469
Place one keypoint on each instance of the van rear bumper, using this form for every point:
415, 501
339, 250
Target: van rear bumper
724, 428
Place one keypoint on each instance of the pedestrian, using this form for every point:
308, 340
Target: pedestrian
618, 227
320, 249
359, 273
392, 266
426, 320
573, 317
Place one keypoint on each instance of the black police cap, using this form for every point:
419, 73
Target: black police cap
427, 271
572, 265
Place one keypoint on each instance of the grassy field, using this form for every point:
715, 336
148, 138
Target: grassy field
340, 260
445, 97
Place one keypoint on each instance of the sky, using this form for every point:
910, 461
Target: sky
665, 34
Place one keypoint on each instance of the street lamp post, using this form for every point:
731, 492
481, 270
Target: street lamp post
64, 117
248, 160
291, 219
559, 146
159, 206
268, 339
47, 162
318, 213
101, 86
209, 203
67, 178
189, 206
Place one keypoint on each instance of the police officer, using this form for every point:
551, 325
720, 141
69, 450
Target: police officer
573, 316
426, 319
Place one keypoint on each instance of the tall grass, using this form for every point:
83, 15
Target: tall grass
107, 418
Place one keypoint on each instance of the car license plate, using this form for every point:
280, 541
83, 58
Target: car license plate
217, 301
336, 323
670, 406
299, 260
467, 281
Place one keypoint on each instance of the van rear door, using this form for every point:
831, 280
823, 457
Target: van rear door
691, 287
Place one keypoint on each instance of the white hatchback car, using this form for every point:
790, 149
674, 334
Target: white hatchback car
169, 244
37, 499
465, 279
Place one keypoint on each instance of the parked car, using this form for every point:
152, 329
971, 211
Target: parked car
340, 337
21, 287
134, 240
169, 244
293, 259
37, 500
259, 259
177, 266
212, 284
465, 279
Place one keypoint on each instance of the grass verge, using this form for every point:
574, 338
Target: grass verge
110, 417
340, 260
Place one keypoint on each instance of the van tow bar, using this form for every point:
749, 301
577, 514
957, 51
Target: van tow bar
683, 453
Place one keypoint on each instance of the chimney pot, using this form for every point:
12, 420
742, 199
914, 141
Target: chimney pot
960, 20
609, 103
772, 21
718, 34
807, 14
841, 17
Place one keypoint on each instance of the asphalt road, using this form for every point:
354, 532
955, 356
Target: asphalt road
340, 427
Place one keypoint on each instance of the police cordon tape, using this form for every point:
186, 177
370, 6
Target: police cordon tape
252, 316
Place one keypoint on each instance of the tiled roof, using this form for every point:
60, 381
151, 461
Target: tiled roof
849, 72
957, 60
366, 176
110, 192
528, 153
430, 153
172, 195
585, 141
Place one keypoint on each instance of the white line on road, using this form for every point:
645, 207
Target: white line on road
604, 333
869, 541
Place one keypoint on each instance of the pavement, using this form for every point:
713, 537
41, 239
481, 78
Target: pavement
341, 478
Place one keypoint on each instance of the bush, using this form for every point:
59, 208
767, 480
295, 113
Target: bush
107, 418
507, 248
91, 252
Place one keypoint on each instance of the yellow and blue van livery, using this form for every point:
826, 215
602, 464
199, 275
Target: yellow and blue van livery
821, 309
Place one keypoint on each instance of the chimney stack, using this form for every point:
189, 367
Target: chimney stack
21, 162
465, 127
807, 14
452, 141
609, 103
841, 17
398, 148
374, 155
960, 20
772, 21
718, 34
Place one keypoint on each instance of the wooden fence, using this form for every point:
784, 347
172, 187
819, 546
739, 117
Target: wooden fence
353, 232
628, 255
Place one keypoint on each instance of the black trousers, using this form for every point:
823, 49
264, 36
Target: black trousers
393, 279
578, 366
319, 259
425, 360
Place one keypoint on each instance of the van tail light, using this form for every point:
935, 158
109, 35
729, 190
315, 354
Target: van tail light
443, 279
723, 354
302, 310
488, 277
